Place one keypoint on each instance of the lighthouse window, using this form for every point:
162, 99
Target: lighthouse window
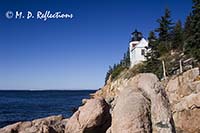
142, 52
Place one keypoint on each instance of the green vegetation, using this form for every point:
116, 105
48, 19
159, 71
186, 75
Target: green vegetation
164, 31
192, 42
167, 43
173, 39
118, 68
177, 37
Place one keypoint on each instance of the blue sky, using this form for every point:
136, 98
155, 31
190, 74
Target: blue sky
73, 53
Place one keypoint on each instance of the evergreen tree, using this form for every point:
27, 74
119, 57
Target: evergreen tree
193, 41
177, 36
152, 39
164, 31
152, 64
187, 27
165, 26
152, 47
127, 59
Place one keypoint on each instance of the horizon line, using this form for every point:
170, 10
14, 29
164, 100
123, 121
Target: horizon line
47, 89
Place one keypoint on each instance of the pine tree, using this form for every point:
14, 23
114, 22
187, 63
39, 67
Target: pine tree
193, 41
152, 64
127, 59
164, 31
187, 27
152, 39
177, 36
165, 27
153, 47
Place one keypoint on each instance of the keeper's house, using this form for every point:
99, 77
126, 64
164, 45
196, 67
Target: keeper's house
137, 48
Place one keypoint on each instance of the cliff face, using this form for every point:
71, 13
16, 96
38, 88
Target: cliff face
182, 91
113, 88
137, 104
184, 95
142, 106
131, 104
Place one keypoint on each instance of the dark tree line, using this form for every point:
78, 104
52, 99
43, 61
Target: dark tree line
167, 37
192, 31
173, 37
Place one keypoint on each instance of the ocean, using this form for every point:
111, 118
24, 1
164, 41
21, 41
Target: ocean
28, 105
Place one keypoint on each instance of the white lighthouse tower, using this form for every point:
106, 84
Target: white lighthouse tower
137, 48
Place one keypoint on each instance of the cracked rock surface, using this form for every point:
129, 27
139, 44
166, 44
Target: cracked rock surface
184, 95
142, 107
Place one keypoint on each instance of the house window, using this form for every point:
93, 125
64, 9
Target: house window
133, 45
142, 52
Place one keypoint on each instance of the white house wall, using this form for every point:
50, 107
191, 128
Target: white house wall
135, 52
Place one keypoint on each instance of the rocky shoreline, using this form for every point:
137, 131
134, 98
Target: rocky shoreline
138, 104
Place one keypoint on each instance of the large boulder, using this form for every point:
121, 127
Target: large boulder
142, 106
161, 116
92, 117
131, 113
52, 124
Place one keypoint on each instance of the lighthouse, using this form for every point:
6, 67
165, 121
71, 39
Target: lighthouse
137, 48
